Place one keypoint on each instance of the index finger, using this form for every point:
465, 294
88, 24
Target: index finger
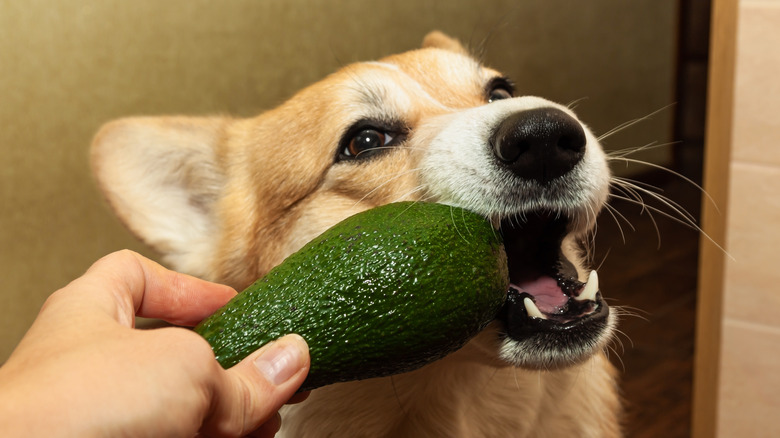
141, 287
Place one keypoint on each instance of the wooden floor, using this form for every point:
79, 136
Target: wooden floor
655, 281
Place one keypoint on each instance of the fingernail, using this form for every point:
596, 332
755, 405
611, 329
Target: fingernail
281, 359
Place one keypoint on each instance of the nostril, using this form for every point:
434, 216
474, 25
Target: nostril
540, 144
508, 151
572, 136
570, 143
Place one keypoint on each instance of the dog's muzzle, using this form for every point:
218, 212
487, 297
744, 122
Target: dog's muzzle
551, 318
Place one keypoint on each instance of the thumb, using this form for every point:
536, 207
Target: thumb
254, 389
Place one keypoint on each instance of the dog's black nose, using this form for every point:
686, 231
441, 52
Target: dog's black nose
539, 144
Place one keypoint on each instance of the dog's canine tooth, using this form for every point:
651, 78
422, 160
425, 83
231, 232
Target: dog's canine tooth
591, 288
531, 309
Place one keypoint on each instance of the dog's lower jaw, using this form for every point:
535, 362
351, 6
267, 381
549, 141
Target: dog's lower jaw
458, 397
563, 346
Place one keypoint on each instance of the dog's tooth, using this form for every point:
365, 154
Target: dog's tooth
531, 309
591, 288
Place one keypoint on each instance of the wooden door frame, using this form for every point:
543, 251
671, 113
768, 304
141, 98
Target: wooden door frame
717, 157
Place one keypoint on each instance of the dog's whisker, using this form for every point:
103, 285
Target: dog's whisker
457, 230
603, 259
404, 146
633, 312
408, 194
388, 179
463, 219
573, 104
489, 379
617, 355
589, 242
679, 215
397, 396
618, 155
649, 210
676, 210
644, 208
674, 206
628, 190
621, 334
617, 215
621, 191
517, 382
619, 179
630, 123
674, 173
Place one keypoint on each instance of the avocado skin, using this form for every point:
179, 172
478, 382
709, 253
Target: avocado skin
383, 292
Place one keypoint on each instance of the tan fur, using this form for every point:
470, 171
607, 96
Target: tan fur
228, 199
454, 398
442, 41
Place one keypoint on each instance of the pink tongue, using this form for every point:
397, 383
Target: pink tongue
549, 298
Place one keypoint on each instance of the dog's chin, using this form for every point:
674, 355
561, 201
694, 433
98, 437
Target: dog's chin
551, 319
550, 344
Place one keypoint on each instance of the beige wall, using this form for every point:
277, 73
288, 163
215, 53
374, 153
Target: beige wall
749, 390
67, 66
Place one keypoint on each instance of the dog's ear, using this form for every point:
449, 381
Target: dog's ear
440, 40
162, 178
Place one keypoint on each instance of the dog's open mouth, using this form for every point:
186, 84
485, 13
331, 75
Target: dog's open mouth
547, 305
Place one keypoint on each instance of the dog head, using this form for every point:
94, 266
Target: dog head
228, 199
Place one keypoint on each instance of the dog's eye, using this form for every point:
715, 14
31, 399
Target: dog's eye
499, 94
499, 89
370, 137
367, 142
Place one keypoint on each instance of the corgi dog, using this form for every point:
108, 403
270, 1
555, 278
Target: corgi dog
228, 199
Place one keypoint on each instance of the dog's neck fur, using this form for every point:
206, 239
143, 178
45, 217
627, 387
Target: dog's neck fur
469, 399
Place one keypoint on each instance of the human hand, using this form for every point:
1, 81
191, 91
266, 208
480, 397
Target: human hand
83, 370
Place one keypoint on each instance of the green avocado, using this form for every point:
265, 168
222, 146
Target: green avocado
383, 292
